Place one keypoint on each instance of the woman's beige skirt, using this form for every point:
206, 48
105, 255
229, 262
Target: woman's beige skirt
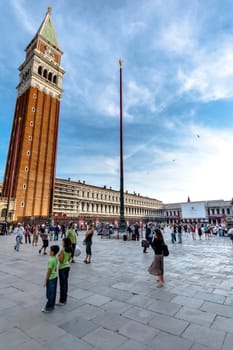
156, 268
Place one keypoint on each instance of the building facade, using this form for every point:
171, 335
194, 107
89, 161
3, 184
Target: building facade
31, 162
215, 212
83, 202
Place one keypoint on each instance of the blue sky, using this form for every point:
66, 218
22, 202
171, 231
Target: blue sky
178, 91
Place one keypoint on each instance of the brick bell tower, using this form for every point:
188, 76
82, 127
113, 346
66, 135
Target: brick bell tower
31, 163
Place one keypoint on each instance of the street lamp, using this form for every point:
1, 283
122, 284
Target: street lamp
122, 224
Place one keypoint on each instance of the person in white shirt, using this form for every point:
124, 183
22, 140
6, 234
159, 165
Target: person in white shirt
19, 234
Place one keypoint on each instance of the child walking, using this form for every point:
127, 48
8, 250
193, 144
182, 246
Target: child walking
51, 279
64, 267
19, 234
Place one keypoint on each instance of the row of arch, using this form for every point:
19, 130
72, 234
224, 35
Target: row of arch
84, 207
47, 75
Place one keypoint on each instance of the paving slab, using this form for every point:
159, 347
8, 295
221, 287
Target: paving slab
68, 342
223, 324
78, 327
110, 320
139, 314
197, 316
133, 345
13, 338
205, 336
164, 307
104, 339
218, 309
228, 342
188, 301
139, 332
168, 324
113, 303
165, 341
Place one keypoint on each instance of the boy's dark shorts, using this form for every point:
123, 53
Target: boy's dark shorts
45, 243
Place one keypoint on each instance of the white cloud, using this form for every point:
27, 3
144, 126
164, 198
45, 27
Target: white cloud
134, 28
177, 37
138, 95
211, 74
23, 16
197, 166
95, 165
107, 102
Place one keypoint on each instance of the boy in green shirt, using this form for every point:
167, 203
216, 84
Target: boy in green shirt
51, 279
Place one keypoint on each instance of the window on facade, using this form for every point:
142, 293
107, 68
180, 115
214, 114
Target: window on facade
223, 211
55, 79
40, 70
31, 123
50, 76
26, 169
45, 73
212, 211
22, 204
34, 96
33, 109
217, 211
228, 211
30, 138
87, 194
28, 153
24, 186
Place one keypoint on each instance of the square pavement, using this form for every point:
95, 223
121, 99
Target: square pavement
113, 303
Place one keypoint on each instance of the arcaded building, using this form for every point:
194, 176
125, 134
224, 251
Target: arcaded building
84, 202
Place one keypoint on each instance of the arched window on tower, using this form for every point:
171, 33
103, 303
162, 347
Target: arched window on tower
45, 73
50, 76
40, 70
55, 79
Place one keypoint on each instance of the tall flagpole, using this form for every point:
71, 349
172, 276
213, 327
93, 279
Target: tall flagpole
122, 225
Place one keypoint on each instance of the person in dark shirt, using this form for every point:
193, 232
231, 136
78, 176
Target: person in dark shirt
88, 242
149, 237
157, 266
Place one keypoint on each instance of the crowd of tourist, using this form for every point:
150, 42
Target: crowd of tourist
151, 235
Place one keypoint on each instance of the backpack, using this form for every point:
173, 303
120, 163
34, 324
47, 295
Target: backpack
165, 250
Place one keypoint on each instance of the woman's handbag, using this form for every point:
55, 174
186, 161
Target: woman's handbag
77, 251
165, 250
145, 243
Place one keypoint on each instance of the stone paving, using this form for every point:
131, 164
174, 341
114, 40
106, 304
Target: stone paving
114, 303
